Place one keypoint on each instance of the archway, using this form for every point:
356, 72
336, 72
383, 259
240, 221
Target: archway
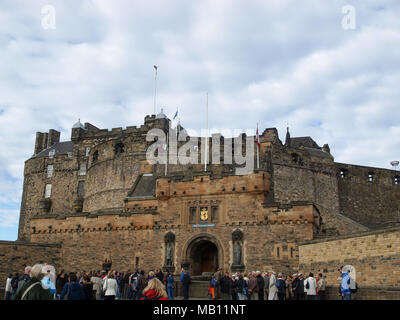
204, 255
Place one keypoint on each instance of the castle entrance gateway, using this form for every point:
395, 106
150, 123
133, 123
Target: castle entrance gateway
203, 254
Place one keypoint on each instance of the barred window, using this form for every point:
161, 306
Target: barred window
81, 188
50, 169
82, 169
214, 214
47, 191
192, 215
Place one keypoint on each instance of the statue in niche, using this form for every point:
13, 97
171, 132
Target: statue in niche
237, 253
169, 254
169, 240
107, 265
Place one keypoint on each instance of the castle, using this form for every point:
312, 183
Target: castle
96, 197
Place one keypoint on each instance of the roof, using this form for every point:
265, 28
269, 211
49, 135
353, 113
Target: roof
145, 186
78, 125
161, 115
59, 147
317, 152
303, 142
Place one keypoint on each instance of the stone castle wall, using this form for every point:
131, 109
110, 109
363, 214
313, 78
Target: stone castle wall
374, 254
16, 255
375, 203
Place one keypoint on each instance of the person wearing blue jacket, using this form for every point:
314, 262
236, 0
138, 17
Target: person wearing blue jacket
345, 285
73, 289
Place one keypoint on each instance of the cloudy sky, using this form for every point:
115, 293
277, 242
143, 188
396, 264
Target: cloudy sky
273, 62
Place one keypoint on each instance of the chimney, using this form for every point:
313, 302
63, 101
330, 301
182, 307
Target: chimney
54, 137
41, 141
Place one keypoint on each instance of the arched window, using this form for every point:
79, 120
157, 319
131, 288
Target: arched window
119, 148
295, 158
95, 156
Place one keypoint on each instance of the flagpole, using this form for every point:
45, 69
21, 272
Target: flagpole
155, 88
166, 163
206, 140
258, 150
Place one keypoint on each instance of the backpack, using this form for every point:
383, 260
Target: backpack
307, 285
14, 283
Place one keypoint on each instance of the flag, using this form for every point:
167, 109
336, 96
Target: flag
176, 114
257, 137
155, 67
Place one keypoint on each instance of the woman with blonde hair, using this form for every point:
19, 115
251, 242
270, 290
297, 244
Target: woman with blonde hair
110, 287
155, 290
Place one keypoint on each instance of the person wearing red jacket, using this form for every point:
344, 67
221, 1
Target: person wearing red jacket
155, 290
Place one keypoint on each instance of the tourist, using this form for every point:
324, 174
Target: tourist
8, 288
273, 290
234, 290
260, 284
185, 285
253, 286
300, 293
289, 288
243, 290
155, 290
311, 287
226, 287
213, 286
14, 284
97, 284
32, 289
160, 275
170, 286
110, 287
218, 276
133, 286
61, 280
49, 279
25, 277
150, 276
141, 284
266, 285
281, 287
345, 285
88, 288
321, 287
73, 290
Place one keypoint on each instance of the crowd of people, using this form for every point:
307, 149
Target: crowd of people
40, 282
271, 286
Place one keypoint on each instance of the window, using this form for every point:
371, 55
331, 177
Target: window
69, 154
295, 158
87, 151
192, 215
82, 169
47, 191
95, 156
119, 148
81, 188
370, 176
291, 252
214, 214
396, 180
277, 252
52, 153
343, 173
50, 169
